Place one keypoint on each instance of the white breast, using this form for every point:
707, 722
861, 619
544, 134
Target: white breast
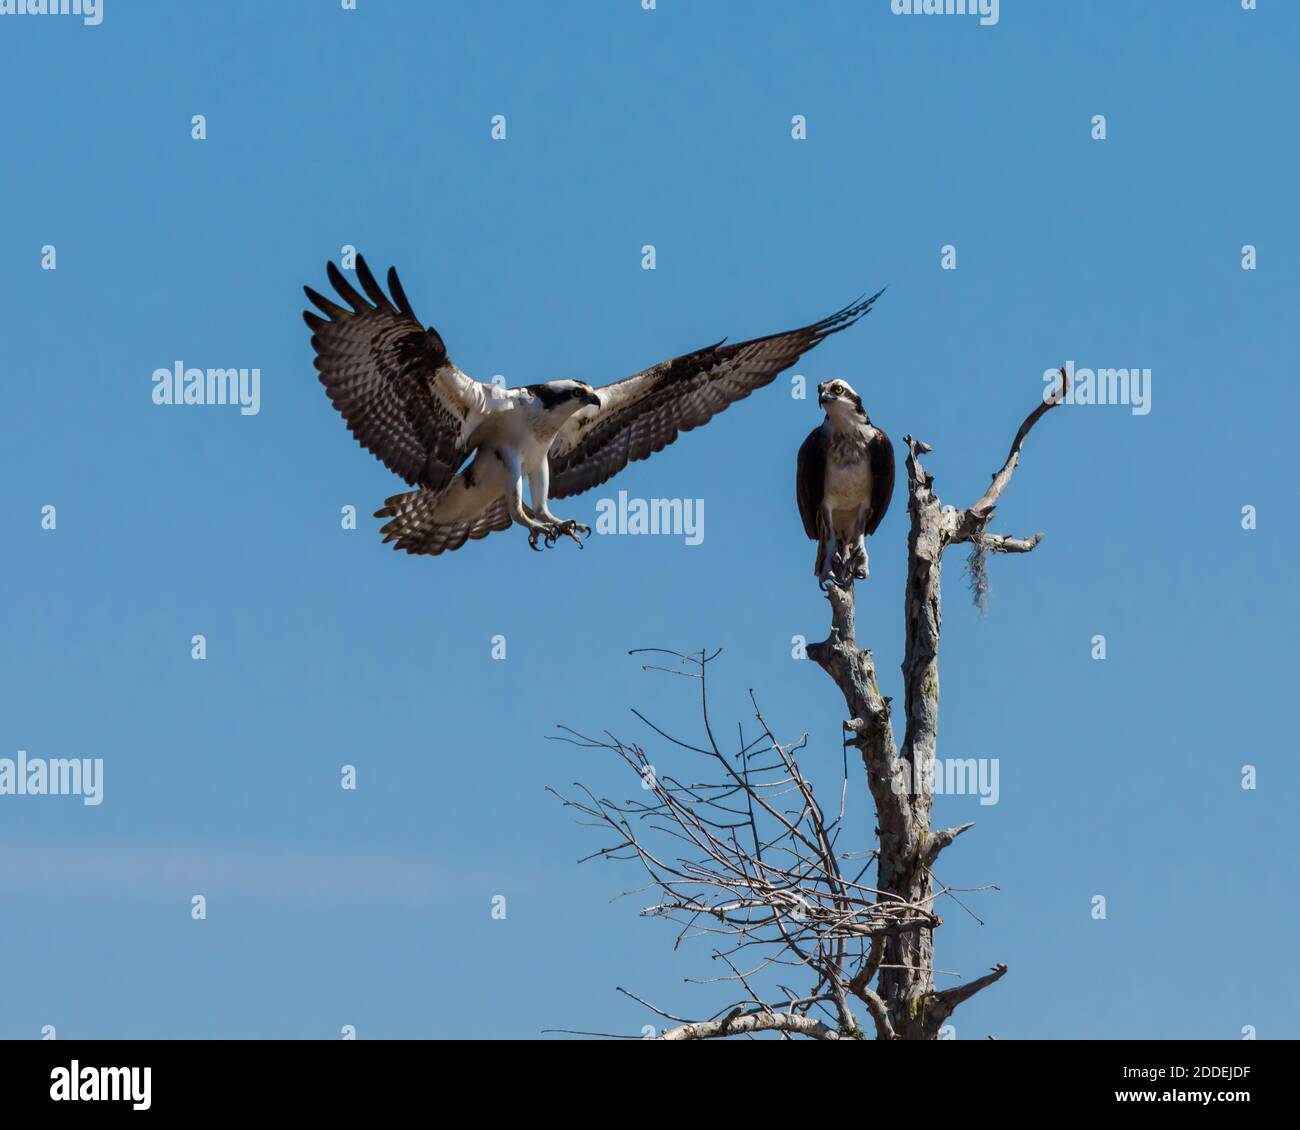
848, 485
513, 425
848, 468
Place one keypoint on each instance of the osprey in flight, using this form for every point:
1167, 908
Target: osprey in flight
844, 480
467, 446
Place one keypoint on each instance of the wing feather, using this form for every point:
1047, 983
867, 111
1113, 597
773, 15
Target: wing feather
644, 413
810, 479
390, 378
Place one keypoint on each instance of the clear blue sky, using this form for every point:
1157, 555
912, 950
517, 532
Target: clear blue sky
627, 127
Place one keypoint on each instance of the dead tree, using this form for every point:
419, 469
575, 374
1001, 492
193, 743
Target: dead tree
749, 857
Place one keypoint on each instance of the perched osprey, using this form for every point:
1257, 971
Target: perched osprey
844, 482
406, 402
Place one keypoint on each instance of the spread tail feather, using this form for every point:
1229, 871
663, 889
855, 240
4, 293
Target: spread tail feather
434, 522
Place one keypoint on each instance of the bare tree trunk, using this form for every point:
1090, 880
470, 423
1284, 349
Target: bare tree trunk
748, 857
902, 782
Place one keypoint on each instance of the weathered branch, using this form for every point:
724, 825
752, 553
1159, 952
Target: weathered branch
940, 840
747, 1023
879, 1012
990, 497
942, 1005
969, 524
1002, 543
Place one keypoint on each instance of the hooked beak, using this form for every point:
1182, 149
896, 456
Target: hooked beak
593, 398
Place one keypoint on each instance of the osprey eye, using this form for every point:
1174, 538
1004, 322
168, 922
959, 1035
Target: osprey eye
837, 389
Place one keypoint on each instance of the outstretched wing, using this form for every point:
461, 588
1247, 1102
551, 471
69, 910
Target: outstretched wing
642, 414
882, 479
391, 379
810, 479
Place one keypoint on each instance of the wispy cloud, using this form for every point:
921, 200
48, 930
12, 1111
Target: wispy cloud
118, 869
